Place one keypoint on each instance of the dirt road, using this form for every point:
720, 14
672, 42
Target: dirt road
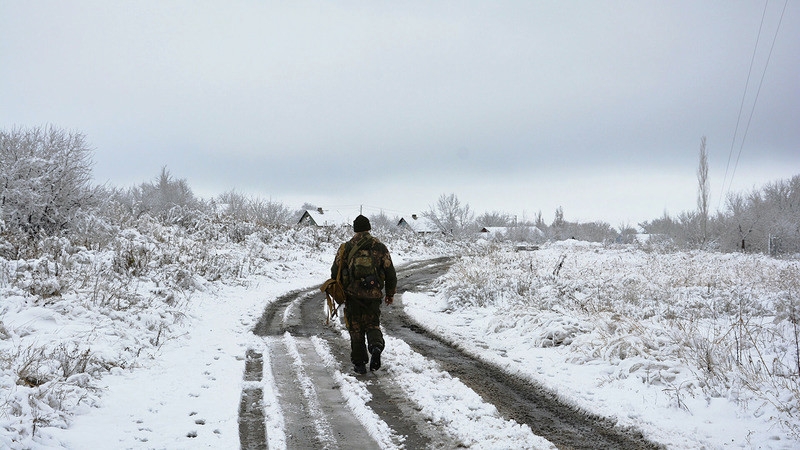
315, 412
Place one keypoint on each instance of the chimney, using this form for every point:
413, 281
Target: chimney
414, 216
319, 210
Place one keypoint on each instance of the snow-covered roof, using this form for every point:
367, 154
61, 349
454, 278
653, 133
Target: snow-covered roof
326, 218
418, 224
494, 231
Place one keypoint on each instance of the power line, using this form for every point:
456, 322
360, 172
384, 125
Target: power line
760, 83
755, 100
361, 208
741, 106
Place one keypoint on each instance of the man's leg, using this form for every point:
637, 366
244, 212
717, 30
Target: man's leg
374, 335
358, 345
376, 345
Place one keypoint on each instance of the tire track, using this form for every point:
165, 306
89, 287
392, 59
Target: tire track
298, 316
315, 413
251, 412
517, 399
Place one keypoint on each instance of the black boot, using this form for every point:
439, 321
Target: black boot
375, 358
360, 369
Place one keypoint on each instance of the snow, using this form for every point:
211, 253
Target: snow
447, 403
566, 332
357, 395
635, 377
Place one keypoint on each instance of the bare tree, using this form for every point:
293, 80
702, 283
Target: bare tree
558, 229
268, 212
764, 220
233, 204
383, 222
539, 222
166, 198
495, 219
449, 215
782, 201
627, 233
702, 192
243, 208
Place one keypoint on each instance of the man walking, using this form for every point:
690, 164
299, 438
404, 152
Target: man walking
367, 270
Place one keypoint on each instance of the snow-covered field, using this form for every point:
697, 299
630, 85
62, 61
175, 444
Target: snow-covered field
143, 347
696, 349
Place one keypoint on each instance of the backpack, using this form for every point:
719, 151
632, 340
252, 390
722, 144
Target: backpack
363, 278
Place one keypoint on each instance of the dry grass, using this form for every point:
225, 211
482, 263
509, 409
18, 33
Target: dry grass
731, 319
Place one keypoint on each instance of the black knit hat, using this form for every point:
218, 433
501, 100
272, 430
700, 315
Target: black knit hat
361, 224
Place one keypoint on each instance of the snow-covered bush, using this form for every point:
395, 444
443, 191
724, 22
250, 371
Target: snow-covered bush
167, 199
727, 323
240, 208
45, 178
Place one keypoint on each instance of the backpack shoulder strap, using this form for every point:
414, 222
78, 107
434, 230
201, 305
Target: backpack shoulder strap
358, 246
341, 263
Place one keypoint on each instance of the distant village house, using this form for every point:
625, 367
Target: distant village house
323, 218
421, 225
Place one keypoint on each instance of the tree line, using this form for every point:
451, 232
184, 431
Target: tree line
763, 220
46, 190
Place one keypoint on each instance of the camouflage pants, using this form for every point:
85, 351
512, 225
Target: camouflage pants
363, 319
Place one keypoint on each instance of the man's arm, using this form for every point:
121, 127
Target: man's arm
390, 277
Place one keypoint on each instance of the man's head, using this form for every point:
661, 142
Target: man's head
361, 224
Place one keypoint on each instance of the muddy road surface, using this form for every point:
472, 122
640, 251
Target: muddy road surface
294, 372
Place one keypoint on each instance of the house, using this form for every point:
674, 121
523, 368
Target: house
418, 224
494, 231
324, 218
518, 232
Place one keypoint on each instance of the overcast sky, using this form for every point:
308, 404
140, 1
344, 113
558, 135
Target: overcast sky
514, 106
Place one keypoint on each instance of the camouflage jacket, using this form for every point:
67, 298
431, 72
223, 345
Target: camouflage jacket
381, 260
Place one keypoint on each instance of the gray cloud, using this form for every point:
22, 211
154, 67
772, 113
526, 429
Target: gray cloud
482, 99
